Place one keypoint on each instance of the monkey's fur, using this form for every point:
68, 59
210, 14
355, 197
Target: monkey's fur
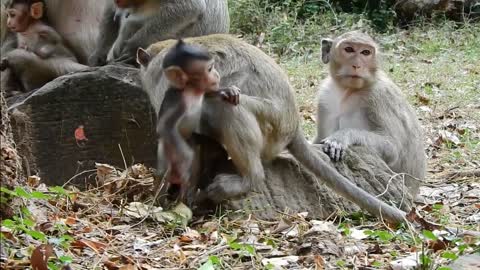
122, 32
376, 115
42, 58
265, 123
77, 22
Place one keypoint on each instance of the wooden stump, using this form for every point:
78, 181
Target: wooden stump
117, 119
289, 186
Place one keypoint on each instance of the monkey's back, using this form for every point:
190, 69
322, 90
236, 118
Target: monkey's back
256, 74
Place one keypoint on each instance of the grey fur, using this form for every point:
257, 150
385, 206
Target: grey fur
174, 19
265, 123
392, 129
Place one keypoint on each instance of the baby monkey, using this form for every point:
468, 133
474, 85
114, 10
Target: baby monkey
40, 54
191, 75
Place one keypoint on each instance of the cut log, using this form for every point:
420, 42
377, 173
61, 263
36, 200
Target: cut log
289, 187
99, 115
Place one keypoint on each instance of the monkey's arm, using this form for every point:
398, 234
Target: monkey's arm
109, 27
322, 122
167, 23
9, 44
384, 145
48, 44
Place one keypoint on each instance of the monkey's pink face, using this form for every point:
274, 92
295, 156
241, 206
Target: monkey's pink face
204, 76
356, 64
18, 18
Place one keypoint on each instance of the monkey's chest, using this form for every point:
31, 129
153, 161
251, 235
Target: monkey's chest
353, 119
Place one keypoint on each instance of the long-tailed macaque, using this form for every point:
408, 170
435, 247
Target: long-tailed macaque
359, 105
41, 54
76, 21
130, 24
191, 74
262, 125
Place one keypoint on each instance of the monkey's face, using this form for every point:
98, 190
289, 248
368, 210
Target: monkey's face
354, 64
203, 75
18, 18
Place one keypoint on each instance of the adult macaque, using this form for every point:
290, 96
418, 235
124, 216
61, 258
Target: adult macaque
359, 105
41, 54
191, 74
130, 24
262, 125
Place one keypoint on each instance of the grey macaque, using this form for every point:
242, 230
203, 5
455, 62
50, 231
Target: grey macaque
130, 24
263, 124
359, 105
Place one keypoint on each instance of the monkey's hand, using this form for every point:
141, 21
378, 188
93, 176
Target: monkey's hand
334, 148
230, 94
4, 64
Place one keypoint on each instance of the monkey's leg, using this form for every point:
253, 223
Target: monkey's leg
244, 147
335, 144
32, 71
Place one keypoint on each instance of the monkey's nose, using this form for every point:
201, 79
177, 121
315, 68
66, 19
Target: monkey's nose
355, 67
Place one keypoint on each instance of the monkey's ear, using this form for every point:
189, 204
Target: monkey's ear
176, 76
326, 46
36, 10
143, 57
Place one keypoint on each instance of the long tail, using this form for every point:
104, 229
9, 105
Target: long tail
303, 152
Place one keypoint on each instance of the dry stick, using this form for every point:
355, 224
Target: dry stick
76, 175
207, 254
469, 173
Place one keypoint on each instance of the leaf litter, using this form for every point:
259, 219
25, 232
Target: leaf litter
110, 227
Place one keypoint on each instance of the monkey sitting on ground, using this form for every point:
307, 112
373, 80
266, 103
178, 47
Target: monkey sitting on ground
191, 74
130, 24
260, 127
359, 105
41, 54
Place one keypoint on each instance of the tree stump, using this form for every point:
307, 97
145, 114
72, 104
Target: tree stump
289, 187
99, 115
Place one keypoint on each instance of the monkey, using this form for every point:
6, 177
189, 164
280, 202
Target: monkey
76, 21
129, 24
358, 104
191, 75
41, 54
260, 127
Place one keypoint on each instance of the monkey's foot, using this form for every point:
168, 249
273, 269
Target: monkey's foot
333, 148
227, 186
4, 64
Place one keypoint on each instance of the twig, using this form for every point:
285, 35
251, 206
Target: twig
461, 174
76, 175
207, 254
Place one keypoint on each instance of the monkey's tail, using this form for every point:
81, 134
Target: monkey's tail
304, 153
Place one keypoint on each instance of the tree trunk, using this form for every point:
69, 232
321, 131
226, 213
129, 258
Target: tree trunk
459, 10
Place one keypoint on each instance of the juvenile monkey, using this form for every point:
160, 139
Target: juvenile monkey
76, 21
359, 105
262, 125
41, 54
191, 74
130, 24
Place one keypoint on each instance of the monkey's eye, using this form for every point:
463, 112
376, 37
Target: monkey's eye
366, 52
349, 50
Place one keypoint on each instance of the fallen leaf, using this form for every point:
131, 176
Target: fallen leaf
319, 262
95, 246
40, 256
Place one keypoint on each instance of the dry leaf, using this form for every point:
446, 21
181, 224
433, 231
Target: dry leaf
319, 262
40, 256
95, 246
